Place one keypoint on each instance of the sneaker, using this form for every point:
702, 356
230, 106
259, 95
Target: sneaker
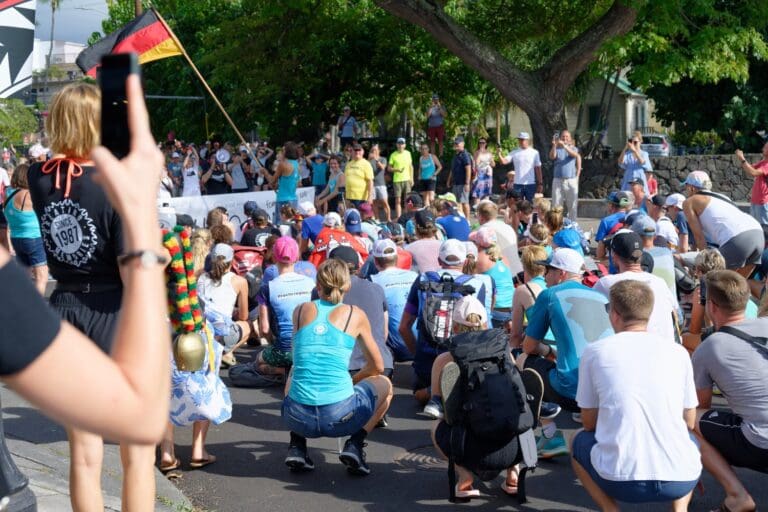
576, 416
383, 422
298, 460
548, 448
549, 410
353, 457
433, 409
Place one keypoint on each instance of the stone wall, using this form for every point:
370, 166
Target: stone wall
599, 177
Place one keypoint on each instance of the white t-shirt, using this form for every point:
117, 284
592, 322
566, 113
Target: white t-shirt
640, 385
507, 240
191, 185
663, 305
524, 162
665, 228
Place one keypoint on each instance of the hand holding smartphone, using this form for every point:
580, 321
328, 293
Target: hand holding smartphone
114, 71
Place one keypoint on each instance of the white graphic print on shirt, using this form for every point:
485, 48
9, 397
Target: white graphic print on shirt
69, 232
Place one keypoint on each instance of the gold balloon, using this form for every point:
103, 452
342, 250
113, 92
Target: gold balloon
189, 351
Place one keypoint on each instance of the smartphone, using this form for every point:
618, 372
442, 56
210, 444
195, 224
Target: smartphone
112, 75
556, 135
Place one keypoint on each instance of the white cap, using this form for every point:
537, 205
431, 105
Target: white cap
37, 150
332, 220
223, 250
306, 208
452, 252
384, 248
565, 259
524, 135
675, 200
466, 306
175, 155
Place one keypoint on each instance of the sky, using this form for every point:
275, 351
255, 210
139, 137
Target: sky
75, 20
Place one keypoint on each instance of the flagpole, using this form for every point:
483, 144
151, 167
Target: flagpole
205, 84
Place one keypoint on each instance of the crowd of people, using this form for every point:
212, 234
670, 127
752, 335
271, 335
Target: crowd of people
632, 339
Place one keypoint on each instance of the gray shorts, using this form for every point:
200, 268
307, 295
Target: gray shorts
380, 193
462, 195
743, 249
230, 339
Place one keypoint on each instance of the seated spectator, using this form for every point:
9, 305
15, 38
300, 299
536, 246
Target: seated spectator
353, 223
331, 236
487, 215
262, 228
637, 444
277, 300
627, 250
310, 227
663, 260
524, 218
525, 296
674, 204
454, 225
554, 220
413, 203
322, 399
426, 247
489, 262
576, 315
396, 284
370, 226
739, 368
666, 232
538, 234
618, 203
451, 256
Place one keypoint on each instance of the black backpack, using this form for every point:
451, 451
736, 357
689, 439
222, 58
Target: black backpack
493, 395
439, 294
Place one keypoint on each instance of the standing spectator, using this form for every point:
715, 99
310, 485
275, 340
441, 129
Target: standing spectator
566, 162
674, 204
653, 185
380, 196
634, 161
319, 163
454, 225
191, 176
460, 177
401, 167
347, 126
429, 168
175, 167
627, 250
740, 370
758, 202
240, 170
24, 228
436, 125
714, 217
217, 179
483, 186
285, 180
358, 177
637, 444
527, 164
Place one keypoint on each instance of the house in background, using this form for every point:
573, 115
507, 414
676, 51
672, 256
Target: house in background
630, 110
63, 69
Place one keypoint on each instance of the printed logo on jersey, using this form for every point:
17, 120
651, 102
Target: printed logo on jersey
70, 234
320, 329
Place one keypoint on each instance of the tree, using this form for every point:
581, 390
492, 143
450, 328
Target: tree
16, 120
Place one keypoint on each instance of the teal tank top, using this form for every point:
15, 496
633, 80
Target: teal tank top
20, 223
427, 167
286, 185
505, 288
321, 354
332, 184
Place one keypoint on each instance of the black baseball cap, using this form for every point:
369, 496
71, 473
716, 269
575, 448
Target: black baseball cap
627, 245
415, 200
658, 200
346, 254
513, 194
424, 218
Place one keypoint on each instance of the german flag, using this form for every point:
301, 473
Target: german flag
147, 36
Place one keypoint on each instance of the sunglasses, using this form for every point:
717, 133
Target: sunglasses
482, 142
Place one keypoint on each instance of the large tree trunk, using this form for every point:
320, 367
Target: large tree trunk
540, 93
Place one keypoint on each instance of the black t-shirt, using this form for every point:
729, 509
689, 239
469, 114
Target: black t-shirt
256, 237
459, 167
82, 234
216, 184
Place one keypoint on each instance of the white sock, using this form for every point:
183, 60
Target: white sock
549, 430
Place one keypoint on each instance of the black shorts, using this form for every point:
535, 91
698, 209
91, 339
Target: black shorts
427, 185
543, 367
722, 429
480, 456
93, 314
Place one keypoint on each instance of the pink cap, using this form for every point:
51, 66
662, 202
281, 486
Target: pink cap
484, 237
286, 250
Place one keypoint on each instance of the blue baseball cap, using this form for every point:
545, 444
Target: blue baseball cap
352, 221
570, 239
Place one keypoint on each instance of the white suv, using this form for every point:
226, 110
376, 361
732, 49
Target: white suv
655, 144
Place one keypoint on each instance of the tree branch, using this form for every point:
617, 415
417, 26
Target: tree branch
514, 83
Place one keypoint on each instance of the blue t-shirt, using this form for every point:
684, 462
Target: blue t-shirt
634, 170
564, 165
281, 296
319, 173
396, 284
681, 223
458, 167
311, 226
607, 224
303, 268
577, 316
505, 288
455, 226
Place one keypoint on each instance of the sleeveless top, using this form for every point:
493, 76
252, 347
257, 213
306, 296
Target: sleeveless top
321, 353
332, 183
219, 298
721, 221
22, 224
505, 288
286, 185
427, 167
484, 163
319, 171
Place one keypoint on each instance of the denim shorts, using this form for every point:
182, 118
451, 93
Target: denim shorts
29, 251
631, 491
333, 420
759, 212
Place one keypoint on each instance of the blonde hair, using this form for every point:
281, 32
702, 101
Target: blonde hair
474, 319
493, 252
470, 265
539, 232
530, 255
73, 120
201, 246
709, 260
333, 280
542, 204
554, 219
487, 210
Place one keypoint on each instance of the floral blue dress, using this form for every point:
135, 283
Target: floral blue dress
483, 185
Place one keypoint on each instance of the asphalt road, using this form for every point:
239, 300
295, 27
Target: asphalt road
250, 473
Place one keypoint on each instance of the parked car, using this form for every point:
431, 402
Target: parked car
655, 144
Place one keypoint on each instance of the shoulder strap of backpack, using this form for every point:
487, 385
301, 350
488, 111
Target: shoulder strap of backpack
10, 197
758, 342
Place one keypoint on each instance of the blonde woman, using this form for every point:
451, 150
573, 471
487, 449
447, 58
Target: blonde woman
201, 241
491, 264
83, 237
525, 296
321, 398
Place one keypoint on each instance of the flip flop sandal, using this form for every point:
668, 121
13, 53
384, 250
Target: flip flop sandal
451, 395
201, 463
509, 490
166, 468
534, 389
467, 494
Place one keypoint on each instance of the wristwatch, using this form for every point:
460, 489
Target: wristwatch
147, 259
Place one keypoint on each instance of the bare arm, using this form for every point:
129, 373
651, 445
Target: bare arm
405, 330
705, 398
589, 419
689, 416
682, 245
536, 347
438, 165
72, 380
264, 319
241, 286
694, 225
374, 363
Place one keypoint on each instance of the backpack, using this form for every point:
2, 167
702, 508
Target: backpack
439, 294
592, 275
492, 391
247, 258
